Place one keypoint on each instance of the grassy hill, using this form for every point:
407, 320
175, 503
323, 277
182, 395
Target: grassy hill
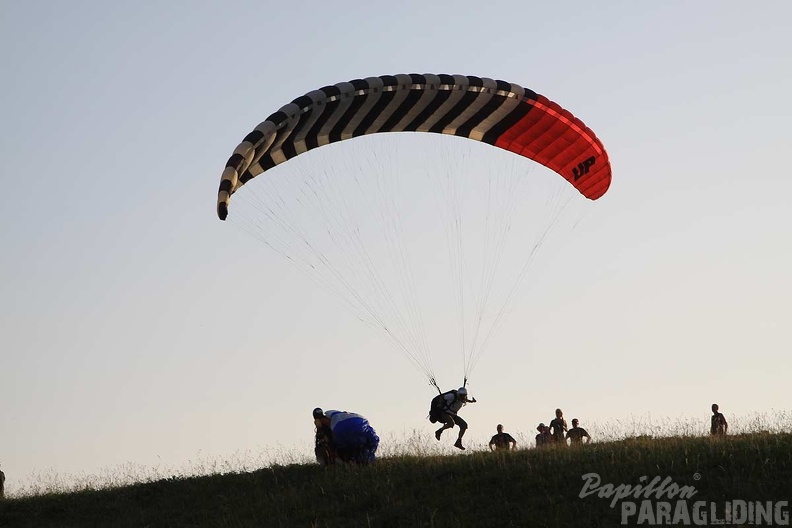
533, 487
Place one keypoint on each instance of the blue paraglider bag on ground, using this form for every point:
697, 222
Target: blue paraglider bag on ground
353, 437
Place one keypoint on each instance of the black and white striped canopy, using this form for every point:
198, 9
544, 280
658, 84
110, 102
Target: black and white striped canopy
499, 113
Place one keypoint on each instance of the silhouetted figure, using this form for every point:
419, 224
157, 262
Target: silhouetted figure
544, 438
502, 441
444, 409
351, 437
719, 426
576, 434
558, 428
324, 451
2, 485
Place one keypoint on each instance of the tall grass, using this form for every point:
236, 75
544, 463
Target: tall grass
411, 487
405, 444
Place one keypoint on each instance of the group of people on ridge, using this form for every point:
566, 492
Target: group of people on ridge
557, 433
345, 436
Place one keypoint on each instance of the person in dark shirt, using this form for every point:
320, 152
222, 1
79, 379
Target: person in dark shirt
719, 427
324, 451
544, 438
559, 427
502, 441
576, 434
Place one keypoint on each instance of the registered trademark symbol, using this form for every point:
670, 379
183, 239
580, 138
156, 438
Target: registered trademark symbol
696, 476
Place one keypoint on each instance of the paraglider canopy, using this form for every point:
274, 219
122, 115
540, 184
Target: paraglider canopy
499, 113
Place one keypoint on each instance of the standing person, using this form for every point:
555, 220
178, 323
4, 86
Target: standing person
444, 409
559, 427
502, 441
719, 427
2, 485
544, 438
576, 434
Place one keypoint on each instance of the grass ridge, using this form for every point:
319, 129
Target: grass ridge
531, 487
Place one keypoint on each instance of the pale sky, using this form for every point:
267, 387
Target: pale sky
138, 328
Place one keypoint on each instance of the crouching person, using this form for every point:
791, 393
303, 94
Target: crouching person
351, 437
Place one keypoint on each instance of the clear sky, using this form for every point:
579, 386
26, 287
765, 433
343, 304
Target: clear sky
137, 328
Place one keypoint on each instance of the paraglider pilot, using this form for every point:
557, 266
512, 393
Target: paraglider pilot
444, 409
